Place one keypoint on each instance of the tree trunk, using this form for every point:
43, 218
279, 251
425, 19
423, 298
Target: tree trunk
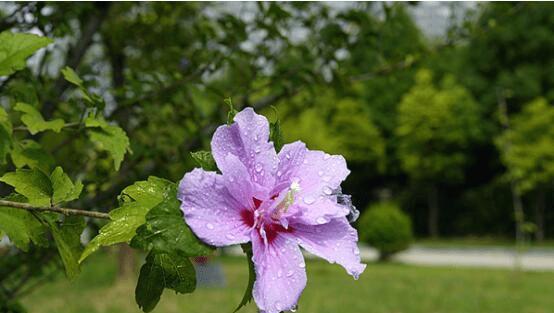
539, 215
126, 261
433, 217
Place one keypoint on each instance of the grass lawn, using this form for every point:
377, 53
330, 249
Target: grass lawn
383, 288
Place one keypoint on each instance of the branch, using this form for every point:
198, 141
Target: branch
66, 125
64, 211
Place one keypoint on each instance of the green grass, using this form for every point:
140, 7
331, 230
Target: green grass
383, 288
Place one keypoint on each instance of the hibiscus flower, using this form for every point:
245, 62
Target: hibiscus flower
278, 202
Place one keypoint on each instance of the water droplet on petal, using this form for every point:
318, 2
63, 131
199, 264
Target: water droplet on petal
321, 220
327, 190
279, 273
209, 226
279, 173
356, 251
326, 156
327, 178
309, 199
231, 179
289, 273
230, 237
287, 156
258, 167
256, 137
320, 173
301, 264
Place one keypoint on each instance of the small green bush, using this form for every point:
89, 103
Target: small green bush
385, 227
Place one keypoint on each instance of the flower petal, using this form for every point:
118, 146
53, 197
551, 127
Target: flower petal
280, 274
210, 210
335, 241
248, 139
237, 180
319, 175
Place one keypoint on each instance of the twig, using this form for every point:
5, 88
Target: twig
64, 211
66, 125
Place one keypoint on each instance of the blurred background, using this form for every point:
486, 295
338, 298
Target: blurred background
444, 112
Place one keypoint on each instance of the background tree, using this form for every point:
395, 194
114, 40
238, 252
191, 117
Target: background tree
435, 128
529, 158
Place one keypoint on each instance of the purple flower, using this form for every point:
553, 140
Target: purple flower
276, 201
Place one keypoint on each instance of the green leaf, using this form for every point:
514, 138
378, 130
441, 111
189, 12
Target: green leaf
5, 135
33, 184
165, 231
205, 160
247, 248
232, 110
29, 152
110, 138
72, 77
63, 188
161, 271
21, 226
35, 122
16, 48
137, 200
276, 135
68, 241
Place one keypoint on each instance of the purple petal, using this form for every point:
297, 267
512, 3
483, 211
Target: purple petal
210, 210
319, 175
280, 274
248, 139
335, 241
236, 179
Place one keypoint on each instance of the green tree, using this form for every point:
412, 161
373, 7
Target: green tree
528, 154
435, 128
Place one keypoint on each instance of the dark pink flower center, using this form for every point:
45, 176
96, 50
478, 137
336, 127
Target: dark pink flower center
271, 227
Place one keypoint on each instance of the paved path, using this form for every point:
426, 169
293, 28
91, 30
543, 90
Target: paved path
532, 259
535, 259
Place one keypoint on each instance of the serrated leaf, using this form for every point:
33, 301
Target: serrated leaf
165, 231
5, 135
205, 160
35, 122
68, 241
72, 77
247, 248
21, 226
16, 48
161, 271
276, 135
30, 153
33, 184
63, 188
136, 200
109, 138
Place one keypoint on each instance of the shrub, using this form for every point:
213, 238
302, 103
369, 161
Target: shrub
385, 227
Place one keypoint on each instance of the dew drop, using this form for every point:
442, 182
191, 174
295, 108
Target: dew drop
279, 173
356, 251
287, 156
231, 179
209, 226
305, 162
309, 199
326, 156
327, 190
321, 220
301, 264
320, 173
279, 273
230, 237
256, 137
258, 167
289, 273
327, 178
